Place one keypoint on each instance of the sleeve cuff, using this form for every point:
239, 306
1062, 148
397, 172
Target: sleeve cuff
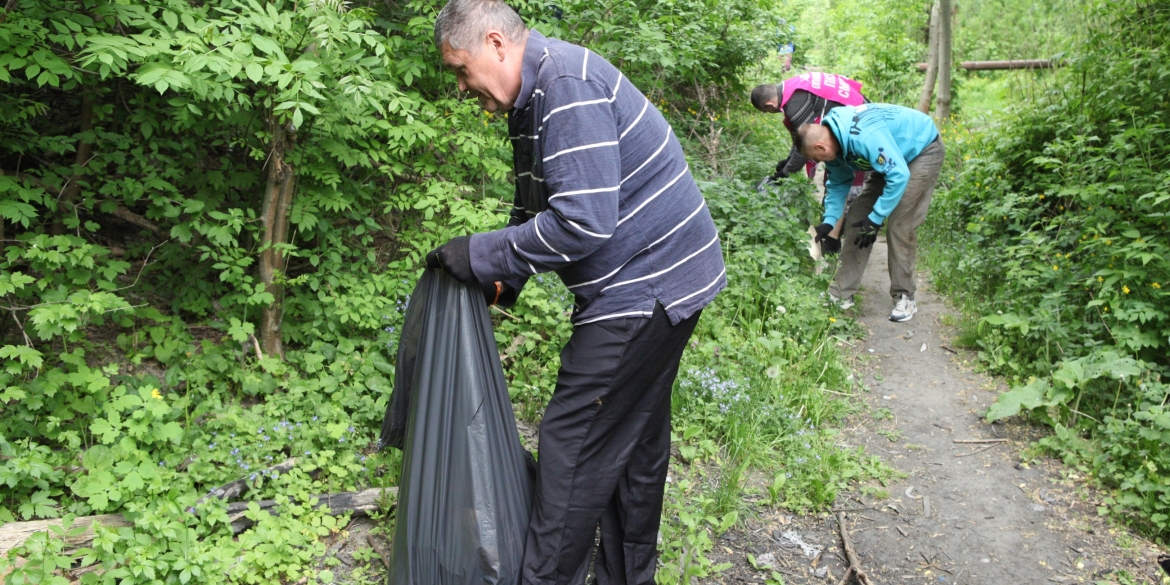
482, 249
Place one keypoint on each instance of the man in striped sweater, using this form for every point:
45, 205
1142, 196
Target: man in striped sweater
604, 197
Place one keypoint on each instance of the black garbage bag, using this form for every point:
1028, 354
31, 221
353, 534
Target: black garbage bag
465, 491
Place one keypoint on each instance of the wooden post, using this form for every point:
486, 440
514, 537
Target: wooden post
274, 217
943, 108
931, 63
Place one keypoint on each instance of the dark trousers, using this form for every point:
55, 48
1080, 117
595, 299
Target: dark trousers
604, 452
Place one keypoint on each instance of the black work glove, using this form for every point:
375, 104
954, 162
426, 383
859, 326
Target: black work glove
823, 231
454, 258
829, 245
781, 173
867, 234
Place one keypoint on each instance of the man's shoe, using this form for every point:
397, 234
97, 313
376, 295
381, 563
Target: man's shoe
843, 304
904, 309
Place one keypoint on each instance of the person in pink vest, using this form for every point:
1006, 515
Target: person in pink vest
805, 99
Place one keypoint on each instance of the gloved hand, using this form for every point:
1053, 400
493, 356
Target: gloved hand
830, 245
823, 231
867, 234
454, 258
781, 173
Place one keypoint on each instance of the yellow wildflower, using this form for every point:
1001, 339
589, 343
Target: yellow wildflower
1099, 279
1055, 267
155, 394
832, 320
1125, 289
1156, 285
1108, 242
1042, 198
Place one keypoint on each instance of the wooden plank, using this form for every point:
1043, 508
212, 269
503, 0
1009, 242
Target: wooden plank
1003, 65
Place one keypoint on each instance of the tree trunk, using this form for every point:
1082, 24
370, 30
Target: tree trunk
68, 195
274, 216
931, 63
944, 61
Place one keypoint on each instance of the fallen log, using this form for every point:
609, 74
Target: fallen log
232, 490
13, 534
1004, 65
361, 503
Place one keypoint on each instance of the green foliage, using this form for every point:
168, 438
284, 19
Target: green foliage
1055, 232
137, 143
872, 41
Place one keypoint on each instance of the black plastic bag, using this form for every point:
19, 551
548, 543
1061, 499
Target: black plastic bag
465, 491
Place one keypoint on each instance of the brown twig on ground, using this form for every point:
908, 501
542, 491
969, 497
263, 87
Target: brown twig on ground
383, 554
850, 555
991, 446
980, 441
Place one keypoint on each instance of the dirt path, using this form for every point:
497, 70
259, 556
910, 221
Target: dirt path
969, 513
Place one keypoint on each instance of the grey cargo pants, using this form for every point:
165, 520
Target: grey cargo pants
901, 227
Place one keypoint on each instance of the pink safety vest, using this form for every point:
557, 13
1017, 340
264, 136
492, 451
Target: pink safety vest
837, 88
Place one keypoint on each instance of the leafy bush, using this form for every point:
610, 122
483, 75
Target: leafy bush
1055, 232
144, 151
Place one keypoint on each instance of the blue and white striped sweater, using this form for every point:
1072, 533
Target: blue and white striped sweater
603, 195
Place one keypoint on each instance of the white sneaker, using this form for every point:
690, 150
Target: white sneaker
843, 304
904, 309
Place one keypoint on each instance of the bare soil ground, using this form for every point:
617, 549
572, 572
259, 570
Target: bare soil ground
970, 513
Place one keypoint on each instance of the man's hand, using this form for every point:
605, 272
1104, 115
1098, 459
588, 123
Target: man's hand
781, 173
823, 231
454, 258
829, 244
867, 234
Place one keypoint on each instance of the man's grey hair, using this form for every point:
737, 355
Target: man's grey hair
463, 24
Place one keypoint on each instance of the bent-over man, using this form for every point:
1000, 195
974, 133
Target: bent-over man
903, 150
604, 197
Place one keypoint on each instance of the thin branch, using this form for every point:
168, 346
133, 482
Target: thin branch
27, 341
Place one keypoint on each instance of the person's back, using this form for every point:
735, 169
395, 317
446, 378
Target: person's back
584, 135
902, 150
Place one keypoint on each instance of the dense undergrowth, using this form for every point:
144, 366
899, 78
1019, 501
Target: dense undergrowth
132, 178
1053, 236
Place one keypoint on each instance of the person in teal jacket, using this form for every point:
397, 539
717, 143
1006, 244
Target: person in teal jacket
903, 150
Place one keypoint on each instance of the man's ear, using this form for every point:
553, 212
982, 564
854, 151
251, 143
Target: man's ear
497, 43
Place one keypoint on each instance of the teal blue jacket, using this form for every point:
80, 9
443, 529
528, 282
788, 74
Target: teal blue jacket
882, 138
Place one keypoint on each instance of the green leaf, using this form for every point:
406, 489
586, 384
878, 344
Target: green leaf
255, 72
268, 46
171, 431
1012, 402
